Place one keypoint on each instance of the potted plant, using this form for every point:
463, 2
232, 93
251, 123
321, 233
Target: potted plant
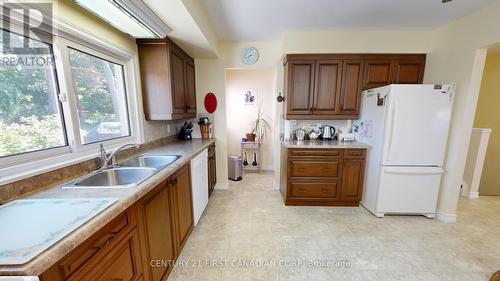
260, 127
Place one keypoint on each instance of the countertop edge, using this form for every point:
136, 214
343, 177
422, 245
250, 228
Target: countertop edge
56, 252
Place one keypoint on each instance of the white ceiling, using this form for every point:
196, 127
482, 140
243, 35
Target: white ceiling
185, 30
248, 20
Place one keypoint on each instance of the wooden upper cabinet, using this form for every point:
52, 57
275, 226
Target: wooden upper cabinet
300, 87
327, 86
183, 205
394, 69
168, 80
378, 73
155, 213
408, 72
350, 94
190, 87
178, 83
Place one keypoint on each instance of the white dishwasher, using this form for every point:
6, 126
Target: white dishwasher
199, 180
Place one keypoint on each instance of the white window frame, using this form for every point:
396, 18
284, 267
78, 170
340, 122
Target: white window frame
70, 103
20, 166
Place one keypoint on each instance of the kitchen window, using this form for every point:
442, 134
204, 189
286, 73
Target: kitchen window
57, 114
101, 101
30, 112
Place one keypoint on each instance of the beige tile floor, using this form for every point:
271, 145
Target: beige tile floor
246, 233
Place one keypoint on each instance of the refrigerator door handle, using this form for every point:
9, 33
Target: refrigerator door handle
414, 170
393, 117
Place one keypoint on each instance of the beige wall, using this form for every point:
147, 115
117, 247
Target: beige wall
487, 117
458, 55
239, 115
357, 42
210, 78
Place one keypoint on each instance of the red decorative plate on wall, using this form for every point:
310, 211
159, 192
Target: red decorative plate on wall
210, 102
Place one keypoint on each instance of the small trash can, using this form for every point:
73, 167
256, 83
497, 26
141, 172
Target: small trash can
235, 167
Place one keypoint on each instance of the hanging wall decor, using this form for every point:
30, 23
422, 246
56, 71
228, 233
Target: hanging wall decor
250, 97
210, 102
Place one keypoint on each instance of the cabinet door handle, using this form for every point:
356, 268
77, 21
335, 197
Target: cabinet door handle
107, 242
325, 190
173, 181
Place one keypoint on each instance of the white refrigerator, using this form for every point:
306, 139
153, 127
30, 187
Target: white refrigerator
407, 128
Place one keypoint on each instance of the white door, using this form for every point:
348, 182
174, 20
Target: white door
408, 190
417, 123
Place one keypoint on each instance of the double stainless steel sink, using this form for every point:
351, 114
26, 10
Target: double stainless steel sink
129, 173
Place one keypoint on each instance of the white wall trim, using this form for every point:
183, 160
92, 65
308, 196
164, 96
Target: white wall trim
446, 217
481, 130
473, 195
222, 185
276, 186
268, 168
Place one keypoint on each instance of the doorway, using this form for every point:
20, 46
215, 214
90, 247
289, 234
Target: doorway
248, 92
484, 149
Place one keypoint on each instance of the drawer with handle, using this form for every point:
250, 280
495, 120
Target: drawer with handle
123, 263
315, 168
315, 190
306, 152
96, 247
355, 153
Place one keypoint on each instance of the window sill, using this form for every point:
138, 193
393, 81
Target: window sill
29, 169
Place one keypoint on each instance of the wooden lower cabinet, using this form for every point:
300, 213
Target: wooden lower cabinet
183, 205
352, 180
322, 177
122, 263
155, 213
315, 190
212, 171
141, 244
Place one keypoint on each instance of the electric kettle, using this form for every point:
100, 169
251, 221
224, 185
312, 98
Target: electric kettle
328, 132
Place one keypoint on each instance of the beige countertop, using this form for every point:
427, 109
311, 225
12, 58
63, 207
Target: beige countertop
126, 198
323, 144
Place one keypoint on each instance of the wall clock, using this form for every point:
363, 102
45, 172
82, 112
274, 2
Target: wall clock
250, 55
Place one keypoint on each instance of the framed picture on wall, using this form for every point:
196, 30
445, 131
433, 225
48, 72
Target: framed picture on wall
250, 97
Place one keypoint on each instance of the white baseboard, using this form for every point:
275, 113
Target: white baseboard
446, 217
473, 195
222, 185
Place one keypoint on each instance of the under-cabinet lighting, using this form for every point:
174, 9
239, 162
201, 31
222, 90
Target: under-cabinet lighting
130, 16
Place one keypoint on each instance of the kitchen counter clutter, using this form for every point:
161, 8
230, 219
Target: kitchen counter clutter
323, 144
322, 173
112, 238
